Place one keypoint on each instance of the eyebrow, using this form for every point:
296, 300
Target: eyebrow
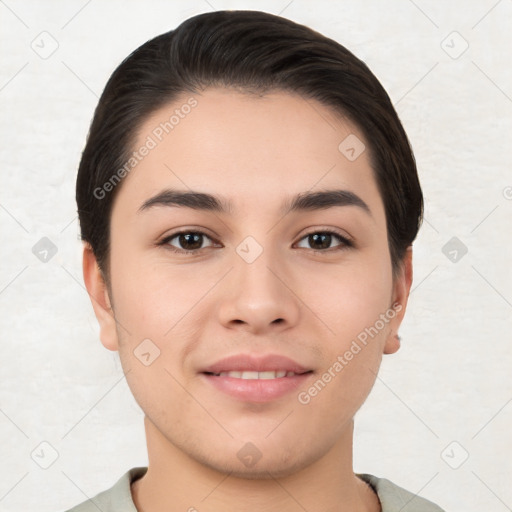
306, 201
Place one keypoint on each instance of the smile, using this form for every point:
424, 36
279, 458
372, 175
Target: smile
251, 375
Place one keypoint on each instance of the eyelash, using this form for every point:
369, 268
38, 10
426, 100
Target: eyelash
345, 242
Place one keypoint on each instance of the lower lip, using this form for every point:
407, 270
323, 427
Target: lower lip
257, 390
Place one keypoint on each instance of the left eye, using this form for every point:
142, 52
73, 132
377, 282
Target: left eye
321, 240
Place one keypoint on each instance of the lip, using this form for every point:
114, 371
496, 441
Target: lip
247, 362
256, 390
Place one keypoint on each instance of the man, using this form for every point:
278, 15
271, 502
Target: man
248, 201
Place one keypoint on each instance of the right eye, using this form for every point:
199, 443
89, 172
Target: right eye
186, 242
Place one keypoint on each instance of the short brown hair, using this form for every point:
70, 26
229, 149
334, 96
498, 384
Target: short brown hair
254, 52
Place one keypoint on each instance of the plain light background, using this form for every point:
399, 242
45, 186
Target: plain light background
439, 419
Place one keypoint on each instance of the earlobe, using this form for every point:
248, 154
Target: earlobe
392, 344
401, 290
101, 303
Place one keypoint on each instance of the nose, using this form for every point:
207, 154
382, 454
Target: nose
258, 297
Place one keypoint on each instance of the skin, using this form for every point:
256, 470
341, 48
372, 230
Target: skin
197, 309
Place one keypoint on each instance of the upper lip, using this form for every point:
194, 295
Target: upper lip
247, 362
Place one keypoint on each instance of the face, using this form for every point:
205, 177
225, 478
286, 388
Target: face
250, 316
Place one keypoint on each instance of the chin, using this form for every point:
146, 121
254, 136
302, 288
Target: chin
261, 471
268, 463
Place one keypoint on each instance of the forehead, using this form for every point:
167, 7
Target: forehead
248, 149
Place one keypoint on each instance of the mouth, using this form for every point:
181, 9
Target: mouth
252, 375
256, 379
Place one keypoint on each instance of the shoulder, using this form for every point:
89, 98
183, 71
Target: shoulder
117, 498
394, 498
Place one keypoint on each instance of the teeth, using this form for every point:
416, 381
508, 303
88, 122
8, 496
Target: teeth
257, 375
266, 375
250, 375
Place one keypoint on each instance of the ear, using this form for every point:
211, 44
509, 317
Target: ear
401, 289
98, 293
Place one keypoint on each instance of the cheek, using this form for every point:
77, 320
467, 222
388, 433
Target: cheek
355, 312
349, 299
147, 297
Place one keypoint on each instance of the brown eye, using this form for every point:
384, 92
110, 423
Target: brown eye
190, 241
323, 240
187, 241
320, 240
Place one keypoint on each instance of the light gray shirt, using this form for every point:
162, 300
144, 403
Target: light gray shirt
119, 498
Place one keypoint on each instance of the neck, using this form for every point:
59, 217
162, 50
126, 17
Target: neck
176, 482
